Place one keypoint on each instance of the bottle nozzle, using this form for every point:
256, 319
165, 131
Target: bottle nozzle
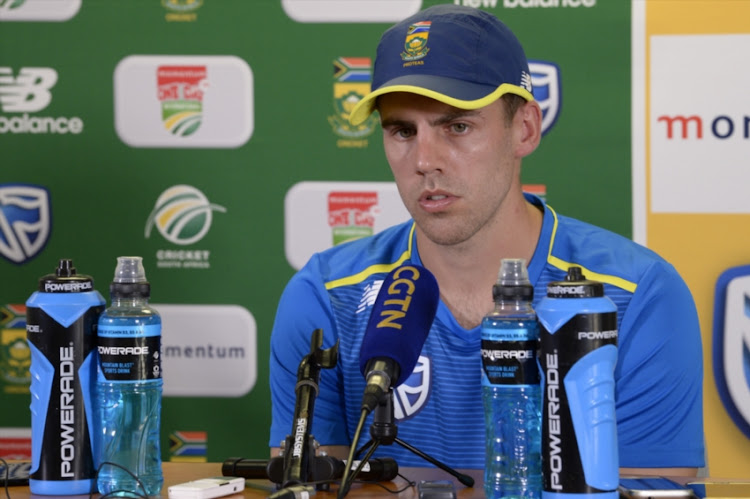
513, 272
65, 268
130, 270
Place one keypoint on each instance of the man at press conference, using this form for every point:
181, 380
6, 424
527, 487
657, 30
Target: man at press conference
458, 117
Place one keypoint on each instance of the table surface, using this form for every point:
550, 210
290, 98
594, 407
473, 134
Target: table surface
175, 473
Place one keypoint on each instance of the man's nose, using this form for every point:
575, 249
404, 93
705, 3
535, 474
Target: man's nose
428, 151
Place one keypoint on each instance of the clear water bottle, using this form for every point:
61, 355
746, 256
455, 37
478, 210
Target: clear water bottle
129, 386
510, 387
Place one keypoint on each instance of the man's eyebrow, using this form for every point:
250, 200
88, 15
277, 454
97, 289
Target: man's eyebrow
389, 122
441, 120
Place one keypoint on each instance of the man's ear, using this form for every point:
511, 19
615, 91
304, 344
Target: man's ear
528, 123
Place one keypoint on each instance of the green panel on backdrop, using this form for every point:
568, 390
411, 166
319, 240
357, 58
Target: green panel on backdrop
103, 190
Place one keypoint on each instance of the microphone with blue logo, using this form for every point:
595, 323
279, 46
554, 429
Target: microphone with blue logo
396, 332
399, 323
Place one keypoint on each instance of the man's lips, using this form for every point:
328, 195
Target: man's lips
436, 201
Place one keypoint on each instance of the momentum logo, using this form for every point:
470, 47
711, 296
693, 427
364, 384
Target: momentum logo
692, 126
731, 344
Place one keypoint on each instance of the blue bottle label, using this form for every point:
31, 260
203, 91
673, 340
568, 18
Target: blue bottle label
579, 433
509, 362
129, 353
62, 373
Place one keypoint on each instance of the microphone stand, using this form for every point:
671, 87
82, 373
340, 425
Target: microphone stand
384, 431
300, 464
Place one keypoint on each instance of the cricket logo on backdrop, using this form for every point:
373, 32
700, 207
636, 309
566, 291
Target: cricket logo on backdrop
351, 215
181, 90
731, 344
352, 77
25, 221
182, 215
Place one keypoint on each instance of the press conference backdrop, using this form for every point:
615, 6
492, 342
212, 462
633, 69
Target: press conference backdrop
210, 137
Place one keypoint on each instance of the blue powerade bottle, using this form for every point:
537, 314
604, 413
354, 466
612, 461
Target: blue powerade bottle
61, 323
578, 353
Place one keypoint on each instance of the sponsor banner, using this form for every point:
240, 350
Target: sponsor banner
691, 128
689, 151
27, 90
545, 81
731, 344
208, 350
183, 101
352, 77
25, 221
38, 10
15, 443
318, 215
349, 11
182, 215
15, 356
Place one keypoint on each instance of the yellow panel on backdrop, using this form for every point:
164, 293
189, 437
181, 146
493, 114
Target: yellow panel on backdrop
696, 142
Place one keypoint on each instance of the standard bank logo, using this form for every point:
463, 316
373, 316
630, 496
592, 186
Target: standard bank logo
731, 344
29, 92
38, 10
336, 11
25, 221
545, 80
183, 101
182, 215
411, 395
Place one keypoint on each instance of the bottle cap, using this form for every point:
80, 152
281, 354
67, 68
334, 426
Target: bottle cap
575, 285
66, 280
513, 281
130, 279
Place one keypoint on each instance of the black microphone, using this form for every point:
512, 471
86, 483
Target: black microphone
299, 450
399, 323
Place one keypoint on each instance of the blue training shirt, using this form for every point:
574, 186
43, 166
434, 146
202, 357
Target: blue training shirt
439, 408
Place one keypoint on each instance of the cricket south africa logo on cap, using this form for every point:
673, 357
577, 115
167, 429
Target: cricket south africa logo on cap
181, 90
731, 344
415, 45
25, 221
352, 77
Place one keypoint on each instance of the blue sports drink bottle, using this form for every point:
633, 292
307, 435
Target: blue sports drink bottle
61, 320
578, 353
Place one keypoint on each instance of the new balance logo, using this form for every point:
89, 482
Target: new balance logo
28, 92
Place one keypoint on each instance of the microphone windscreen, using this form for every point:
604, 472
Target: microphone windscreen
400, 319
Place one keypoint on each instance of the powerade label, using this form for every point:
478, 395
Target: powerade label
508, 358
130, 353
560, 351
61, 370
